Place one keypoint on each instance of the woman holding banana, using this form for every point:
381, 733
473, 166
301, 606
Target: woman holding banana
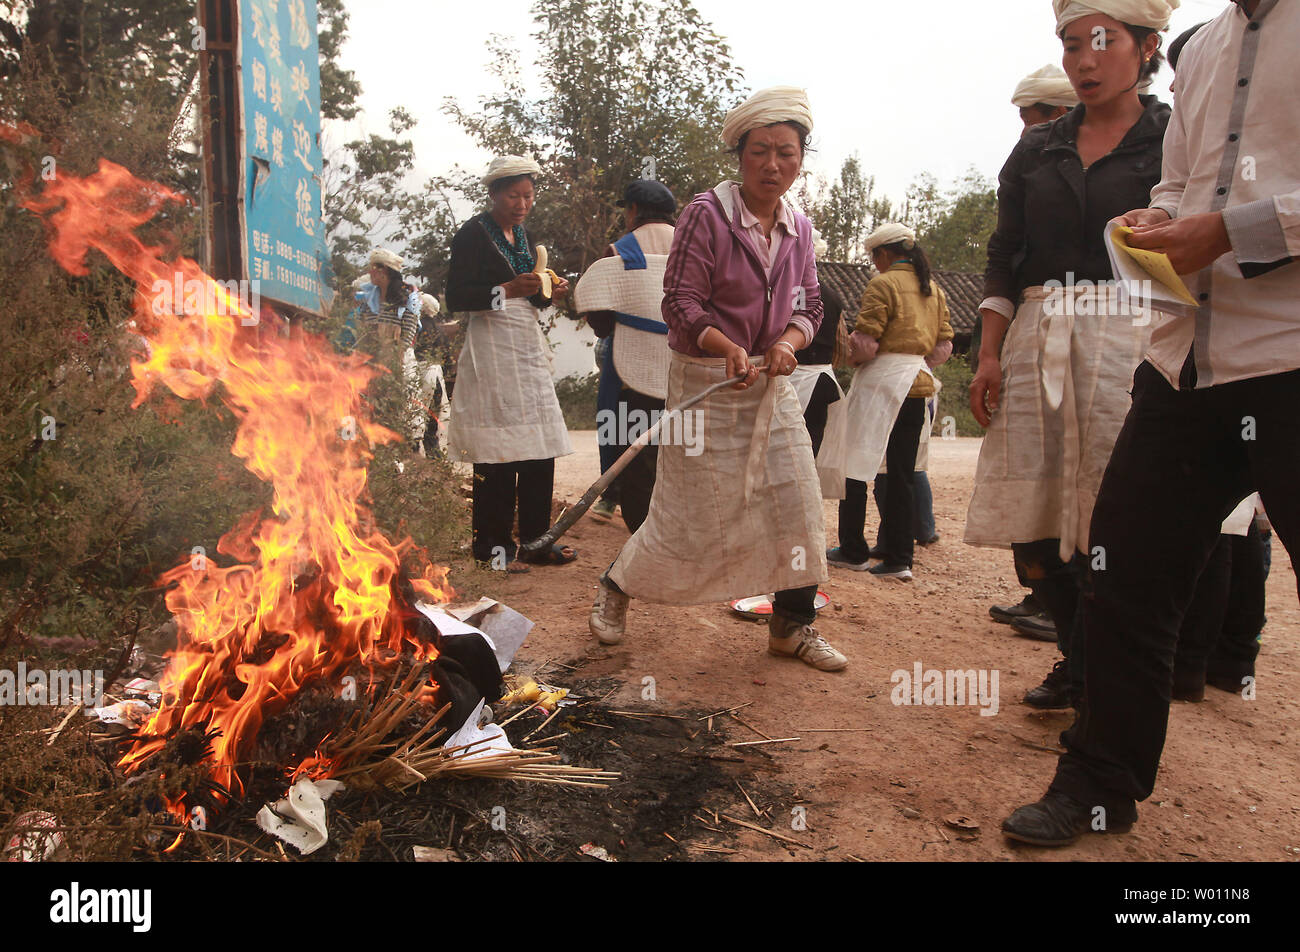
744, 514
505, 418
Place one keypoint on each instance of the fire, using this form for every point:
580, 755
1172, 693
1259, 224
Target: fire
313, 589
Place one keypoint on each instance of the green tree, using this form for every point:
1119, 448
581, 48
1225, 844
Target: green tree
850, 212
957, 240
364, 193
625, 89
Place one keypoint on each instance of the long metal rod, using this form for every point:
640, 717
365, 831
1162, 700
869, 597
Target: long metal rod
571, 515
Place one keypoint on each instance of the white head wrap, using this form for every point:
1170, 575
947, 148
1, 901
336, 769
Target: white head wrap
505, 166
889, 233
431, 307
1152, 14
387, 258
820, 247
764, 108
1048, 85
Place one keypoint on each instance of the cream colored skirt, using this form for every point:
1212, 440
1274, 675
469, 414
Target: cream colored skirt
1067, 376
742, 516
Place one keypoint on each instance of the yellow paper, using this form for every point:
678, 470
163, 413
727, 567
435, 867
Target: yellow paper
1156, 264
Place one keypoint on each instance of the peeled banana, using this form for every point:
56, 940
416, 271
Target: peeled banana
548, 276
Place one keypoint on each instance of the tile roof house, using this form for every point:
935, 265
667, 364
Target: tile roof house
847, 282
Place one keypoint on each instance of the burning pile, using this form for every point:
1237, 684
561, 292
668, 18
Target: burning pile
314, 592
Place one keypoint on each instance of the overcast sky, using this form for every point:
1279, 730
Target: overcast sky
909, 86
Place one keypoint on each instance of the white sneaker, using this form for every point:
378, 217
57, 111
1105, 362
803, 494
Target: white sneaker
608, 615
787, 639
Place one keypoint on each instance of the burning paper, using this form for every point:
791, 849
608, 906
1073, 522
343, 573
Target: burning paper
308, 591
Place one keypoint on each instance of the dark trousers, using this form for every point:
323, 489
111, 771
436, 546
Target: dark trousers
636, 483
1234, 653
607, 397
796, 604
1182, 462
497, 489
922, 508
896, 518
1220, 633
1055, 584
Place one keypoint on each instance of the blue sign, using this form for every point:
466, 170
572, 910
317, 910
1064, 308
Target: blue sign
279, 70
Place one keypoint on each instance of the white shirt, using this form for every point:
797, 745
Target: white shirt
1231, 146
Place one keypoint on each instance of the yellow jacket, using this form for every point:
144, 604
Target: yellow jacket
894, 311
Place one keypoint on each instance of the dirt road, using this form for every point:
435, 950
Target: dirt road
874, 780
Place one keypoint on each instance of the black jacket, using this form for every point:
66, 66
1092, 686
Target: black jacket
1052, 214
477, 266
822, 348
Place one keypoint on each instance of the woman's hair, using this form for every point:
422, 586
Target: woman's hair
396, 293
804, 135
920, 262
1140, 34
504, 183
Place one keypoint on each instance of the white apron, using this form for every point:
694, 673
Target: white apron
830, 455
876, 395
742, 516
1066, 389
504, 408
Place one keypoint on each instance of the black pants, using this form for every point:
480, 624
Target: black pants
1233, 657
1182, 462
636, 483
497, 488
1220, 633
900, 459
1055, 584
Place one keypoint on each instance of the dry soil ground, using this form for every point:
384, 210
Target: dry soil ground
880, 786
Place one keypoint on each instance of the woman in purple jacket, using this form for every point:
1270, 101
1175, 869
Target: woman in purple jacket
737, 504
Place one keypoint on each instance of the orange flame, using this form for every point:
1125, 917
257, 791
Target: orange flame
311, 594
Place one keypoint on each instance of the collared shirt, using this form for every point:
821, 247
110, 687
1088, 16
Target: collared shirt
766, 246
716, 279
1231, 148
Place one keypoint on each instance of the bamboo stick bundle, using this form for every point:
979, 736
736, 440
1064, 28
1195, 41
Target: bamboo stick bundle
369, 751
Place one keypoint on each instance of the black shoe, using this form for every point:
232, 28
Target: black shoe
1006, 614
1229, 683
893, 570
1054, 692
930, 541
875, 552
1059, 820
1035, 626
1189, 686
